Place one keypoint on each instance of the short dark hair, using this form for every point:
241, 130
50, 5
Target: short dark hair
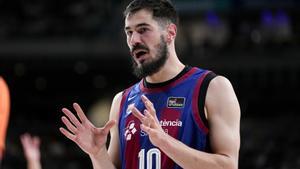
163, 10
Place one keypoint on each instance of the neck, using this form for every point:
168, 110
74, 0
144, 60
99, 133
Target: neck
171, 68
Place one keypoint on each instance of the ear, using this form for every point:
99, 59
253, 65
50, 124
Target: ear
172, 32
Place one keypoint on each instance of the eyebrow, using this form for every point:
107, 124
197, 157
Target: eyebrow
138, 25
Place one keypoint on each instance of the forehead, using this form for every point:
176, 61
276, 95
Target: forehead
141, 16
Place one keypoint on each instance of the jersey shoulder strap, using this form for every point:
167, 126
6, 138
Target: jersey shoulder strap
202, 95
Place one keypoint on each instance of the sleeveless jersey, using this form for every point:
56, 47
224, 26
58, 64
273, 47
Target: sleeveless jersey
176, 106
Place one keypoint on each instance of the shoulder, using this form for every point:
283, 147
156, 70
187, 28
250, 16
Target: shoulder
219, 83
221, 96
115, 106
119, 96
220, 89
117, 102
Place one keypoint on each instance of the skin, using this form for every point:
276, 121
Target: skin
221, 104
141, 28
4, 113
31, 148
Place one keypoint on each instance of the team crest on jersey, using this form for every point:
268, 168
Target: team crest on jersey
176, 102
130, 130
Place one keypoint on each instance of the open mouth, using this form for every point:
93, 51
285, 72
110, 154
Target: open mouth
140, 54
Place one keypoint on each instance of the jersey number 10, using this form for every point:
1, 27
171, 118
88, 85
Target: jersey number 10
153, 152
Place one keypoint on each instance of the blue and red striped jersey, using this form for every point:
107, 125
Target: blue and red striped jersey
177, 110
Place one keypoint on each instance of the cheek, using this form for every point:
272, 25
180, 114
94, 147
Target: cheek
127, 40
154, 47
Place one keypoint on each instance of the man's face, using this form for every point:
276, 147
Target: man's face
145, 38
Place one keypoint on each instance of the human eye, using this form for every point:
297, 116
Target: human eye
128, 33
143, 30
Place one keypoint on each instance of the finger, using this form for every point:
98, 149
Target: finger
67, 134
146, 129
150, 118
69, 125
36, 141
23, 140
72, 117
25, 135
27, 138
137, 114
22, 137
149, 105
108, 126
80, 113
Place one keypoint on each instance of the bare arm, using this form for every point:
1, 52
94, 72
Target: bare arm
224, 118
114, 146
90, 139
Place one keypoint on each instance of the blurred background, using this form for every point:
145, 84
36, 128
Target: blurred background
56, 52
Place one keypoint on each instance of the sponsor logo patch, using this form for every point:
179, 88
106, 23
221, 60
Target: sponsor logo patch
176, 102
171, 123
132, 97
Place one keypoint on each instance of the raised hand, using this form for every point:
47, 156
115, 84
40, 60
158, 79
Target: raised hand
31, 147
90, 139
150, 123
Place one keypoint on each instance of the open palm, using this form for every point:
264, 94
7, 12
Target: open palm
90, 139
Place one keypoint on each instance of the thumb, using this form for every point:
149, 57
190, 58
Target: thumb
105, 129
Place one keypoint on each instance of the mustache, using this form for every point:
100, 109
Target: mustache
139, 46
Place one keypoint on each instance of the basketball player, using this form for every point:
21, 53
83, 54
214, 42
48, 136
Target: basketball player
4, 114
175, 117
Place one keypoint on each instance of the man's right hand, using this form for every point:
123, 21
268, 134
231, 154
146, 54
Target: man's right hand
90, 139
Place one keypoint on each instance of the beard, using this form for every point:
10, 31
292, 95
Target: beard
153, 66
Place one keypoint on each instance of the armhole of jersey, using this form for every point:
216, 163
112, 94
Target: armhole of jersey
202, 96
124, 96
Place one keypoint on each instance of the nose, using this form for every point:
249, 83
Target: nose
134, 39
